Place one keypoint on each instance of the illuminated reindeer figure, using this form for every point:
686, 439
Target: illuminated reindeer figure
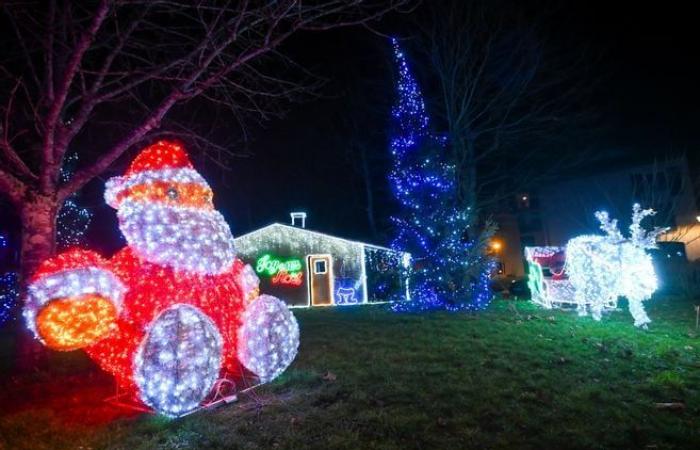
603, 268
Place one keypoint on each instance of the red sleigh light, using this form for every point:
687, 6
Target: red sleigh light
168, 312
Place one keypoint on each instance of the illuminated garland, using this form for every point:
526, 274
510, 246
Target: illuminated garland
164, 314
451, 268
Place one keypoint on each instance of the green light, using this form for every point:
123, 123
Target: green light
535, 279
270, 266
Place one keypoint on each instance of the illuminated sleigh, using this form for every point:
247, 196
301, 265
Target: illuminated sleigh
548, 281
595, 270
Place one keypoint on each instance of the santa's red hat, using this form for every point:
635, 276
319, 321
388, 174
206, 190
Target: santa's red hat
164, 163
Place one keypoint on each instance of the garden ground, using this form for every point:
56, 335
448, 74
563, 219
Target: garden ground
514, 376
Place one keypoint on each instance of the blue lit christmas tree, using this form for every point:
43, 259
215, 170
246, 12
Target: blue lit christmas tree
451, 270
8, 295
8, 284
73, 220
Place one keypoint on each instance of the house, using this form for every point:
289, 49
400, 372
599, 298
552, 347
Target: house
307, 268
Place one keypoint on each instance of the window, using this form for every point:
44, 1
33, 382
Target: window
523, 201
320, 266
500, 268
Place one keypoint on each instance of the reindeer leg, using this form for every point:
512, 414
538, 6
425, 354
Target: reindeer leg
597, 310
580, 304
636, 308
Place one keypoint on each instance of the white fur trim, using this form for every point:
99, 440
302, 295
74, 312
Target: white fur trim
72, 283
116, 185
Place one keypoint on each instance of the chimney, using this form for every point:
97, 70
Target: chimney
298, 215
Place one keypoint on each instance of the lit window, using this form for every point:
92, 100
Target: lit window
523, 201
320, 266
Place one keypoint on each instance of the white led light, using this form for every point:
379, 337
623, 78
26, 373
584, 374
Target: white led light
600, 269
178, 361
189, 239
71, 283
267, 353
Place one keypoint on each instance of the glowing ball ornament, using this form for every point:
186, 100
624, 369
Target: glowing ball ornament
268, 352
165, 313
178, 362
603, 268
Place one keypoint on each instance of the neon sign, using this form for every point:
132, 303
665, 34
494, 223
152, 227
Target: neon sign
287, 272
346, 291
345, 296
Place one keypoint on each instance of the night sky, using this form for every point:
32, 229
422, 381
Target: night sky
644, 104
641, 61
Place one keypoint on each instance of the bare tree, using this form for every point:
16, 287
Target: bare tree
664, 186
363, 141
499, 89
72, 64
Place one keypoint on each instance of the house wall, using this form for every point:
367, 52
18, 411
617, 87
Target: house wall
512, 250
387, 276
286, 243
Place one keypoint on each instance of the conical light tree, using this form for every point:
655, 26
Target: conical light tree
451, 270
73, 219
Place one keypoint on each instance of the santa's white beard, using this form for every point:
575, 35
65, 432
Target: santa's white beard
183, 238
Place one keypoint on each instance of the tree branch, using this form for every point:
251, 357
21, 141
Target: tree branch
12, 188
49, 170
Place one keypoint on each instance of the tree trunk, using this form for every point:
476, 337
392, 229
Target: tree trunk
38, 216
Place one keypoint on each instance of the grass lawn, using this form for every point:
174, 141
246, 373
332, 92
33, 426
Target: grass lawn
514, 376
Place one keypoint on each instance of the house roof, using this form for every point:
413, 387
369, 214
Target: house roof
306, 230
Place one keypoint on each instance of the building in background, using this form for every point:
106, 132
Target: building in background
307, 268
552, 213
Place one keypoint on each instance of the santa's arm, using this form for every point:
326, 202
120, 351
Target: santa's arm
249, 283
73, 300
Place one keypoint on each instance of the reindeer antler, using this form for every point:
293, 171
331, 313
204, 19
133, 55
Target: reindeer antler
609, 226
640, 237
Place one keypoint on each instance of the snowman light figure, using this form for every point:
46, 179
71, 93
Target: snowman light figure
175, 307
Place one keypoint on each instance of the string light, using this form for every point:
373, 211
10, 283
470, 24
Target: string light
452, 269
178, 362
72, 220
163, 314
555, 289
600, 269
345, 296
9, 293
269, 337
355, 263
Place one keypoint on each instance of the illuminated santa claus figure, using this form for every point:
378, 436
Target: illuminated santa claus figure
173, 309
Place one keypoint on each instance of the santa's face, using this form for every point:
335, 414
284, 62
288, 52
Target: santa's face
186, 238
168, 218
166, 212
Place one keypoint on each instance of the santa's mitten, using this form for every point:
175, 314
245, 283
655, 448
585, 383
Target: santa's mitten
269, 337
73, 300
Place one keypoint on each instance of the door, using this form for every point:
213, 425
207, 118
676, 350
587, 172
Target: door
320, 273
